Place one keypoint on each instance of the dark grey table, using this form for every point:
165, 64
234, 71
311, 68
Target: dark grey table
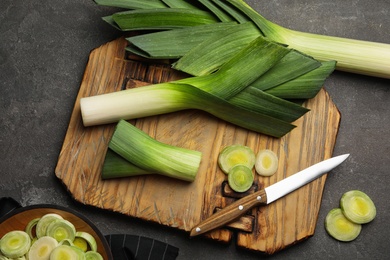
44, 47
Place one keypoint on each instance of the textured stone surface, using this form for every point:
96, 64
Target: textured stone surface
44, 48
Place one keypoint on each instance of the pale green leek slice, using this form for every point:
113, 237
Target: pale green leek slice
173, 44
65, 252
61, 229
88, 238
133, 4
161, 19
358, 207
266, 163
30, 228
93, 255
341, 228
15, 244
42, 248
233, 155
44, 222
240, 178
145, 152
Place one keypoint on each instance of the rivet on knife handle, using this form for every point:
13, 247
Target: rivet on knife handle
230, 213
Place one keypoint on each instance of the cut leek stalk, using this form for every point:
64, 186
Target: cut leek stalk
266, 163
233, 155
42, 248
115, 166
240, 178
341, 228
358, 207
15, 244
147, 153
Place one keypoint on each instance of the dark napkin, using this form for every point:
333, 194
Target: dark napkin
133, 247
7, 205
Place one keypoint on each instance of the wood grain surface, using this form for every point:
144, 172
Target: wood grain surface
179, 204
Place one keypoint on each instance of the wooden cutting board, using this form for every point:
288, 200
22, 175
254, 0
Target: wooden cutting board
179, 204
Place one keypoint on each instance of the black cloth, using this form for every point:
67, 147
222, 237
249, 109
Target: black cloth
133, 247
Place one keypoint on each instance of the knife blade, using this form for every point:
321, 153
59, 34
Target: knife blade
267, 195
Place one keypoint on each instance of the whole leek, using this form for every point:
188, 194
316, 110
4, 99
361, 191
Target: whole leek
355, 56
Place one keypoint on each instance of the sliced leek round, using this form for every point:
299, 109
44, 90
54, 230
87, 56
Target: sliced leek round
341, 228
88, 238
44, 222
65, 252
31, 227
233, 155
61, 229
358, 207
15, 244
93, 255
240, 178
266, 163
42, 248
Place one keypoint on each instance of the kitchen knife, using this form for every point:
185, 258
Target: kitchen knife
267, 195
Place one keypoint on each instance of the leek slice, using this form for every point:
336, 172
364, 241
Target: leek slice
65, 252
30, 228
266, 163
88, 238
61, 229
233, 155
240, 178
358, 207
218, 12
145, 152
15, 244
42, 248
158, 19
93, 255
341, 228
44, 222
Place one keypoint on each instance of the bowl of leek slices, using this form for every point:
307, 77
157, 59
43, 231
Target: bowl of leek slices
50, 232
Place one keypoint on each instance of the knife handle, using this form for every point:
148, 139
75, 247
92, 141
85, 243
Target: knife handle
231, 212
